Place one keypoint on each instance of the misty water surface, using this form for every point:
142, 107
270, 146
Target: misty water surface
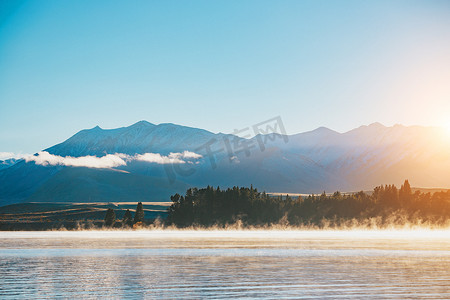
218, 264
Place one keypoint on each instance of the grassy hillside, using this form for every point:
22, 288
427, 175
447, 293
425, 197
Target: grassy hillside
43, 216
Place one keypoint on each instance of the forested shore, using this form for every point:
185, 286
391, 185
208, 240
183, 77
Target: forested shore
386, 205
246, 207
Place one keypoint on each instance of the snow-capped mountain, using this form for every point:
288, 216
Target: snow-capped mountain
150, 162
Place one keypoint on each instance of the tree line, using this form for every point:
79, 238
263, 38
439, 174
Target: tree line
127, 220
213, 206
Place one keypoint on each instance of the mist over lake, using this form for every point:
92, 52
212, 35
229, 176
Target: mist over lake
194, 264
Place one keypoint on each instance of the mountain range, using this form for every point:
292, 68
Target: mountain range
148, 162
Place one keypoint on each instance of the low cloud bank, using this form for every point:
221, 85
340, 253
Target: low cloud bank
9, 155
172, 158
46, 159
111, 160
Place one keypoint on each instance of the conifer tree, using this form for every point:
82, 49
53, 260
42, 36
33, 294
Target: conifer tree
127, 219
139, 216
110, 217
405, 193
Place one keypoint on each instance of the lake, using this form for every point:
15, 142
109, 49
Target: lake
226, 263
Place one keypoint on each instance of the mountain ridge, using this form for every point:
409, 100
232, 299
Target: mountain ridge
308, 162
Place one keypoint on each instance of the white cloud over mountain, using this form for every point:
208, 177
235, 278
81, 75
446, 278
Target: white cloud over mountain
172, 158
9, 155
110, 160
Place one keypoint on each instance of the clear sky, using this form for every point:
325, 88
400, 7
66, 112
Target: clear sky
219, 65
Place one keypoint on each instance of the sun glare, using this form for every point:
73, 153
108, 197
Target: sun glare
446, 129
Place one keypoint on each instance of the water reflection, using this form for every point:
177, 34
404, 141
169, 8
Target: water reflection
216, 265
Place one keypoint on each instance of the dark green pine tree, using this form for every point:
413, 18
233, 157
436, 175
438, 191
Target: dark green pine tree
139, 216
110, 217
127, 219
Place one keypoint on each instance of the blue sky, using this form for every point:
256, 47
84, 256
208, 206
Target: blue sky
219, 65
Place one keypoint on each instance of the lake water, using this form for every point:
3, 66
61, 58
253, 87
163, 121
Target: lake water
224, 264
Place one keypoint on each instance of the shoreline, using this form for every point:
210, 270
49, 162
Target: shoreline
273, 228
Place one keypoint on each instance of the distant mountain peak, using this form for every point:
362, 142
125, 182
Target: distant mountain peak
323, 130
142, 123
377, 124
